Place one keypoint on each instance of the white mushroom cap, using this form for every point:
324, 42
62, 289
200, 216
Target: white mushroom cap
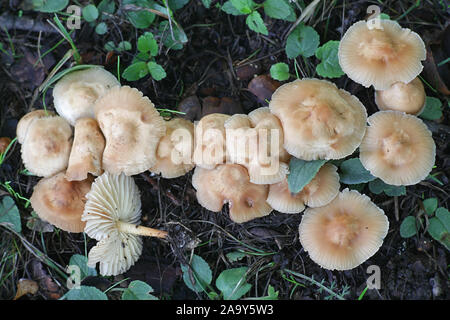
112, 214
132, 128
74, 94
381, 57
319, 120
344, 233
47, 146
24, 122
87, 150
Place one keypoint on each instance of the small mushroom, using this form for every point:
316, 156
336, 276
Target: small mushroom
132, 128
112, 214
398, 148
4, 143
344, 233
230, 183
319, 120
74, 94
174, 153
318, 192
381, 56
27, 119
256, 142
46, 146
61, 202
406, 97
87, 150
210, 141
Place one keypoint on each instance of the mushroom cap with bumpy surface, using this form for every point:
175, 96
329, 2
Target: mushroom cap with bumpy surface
319, 120
344, 233
398, 148
132, 128
381, 56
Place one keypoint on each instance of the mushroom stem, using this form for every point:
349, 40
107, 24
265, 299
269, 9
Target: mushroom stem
140, 230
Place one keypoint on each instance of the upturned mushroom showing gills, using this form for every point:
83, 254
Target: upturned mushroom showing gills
87, 150
174, 153
405, 97
112, 214
344, 233
319, 120
256, 142
398, 148
318, 192
132, 128
74, 94
46, 146
381, 56
61, 202
230, 183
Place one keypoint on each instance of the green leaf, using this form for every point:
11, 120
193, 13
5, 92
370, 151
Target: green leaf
9, 214
90, 13
280, 71
138, 290
232, 283
304, 41
256, 23
101, 28
353, 172
85, 293
277, 9
302, 172
329, 66
141, 56
107, 6
177, 4
147, 43
432, 109
430, 205
377, 186
243, 6
229, 8
201, 272
444, 216
408, 227
207, 3
157, 71
271, 294
235, 256
384, 16
123, 46
135, 71
81, 262
439, 232
140, 19
179, 37
110, 46
49, 6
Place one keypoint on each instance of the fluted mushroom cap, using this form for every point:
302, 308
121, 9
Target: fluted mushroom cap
113, 198
132, 128
174, 153
381, 57
46, 148
405, 97
74, 94
230, 183
344, 233
319, 120
24, 123
398, 148
61, 202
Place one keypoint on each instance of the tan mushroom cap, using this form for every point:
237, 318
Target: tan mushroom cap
87, 150
405, 97
61, 202
174, 153
132, 128
381, 57
249, 143
230, 183
47, 146
344, 233
210, 141
74, 94
318, 192
398, 148
112, 214
319, 120
27, 119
